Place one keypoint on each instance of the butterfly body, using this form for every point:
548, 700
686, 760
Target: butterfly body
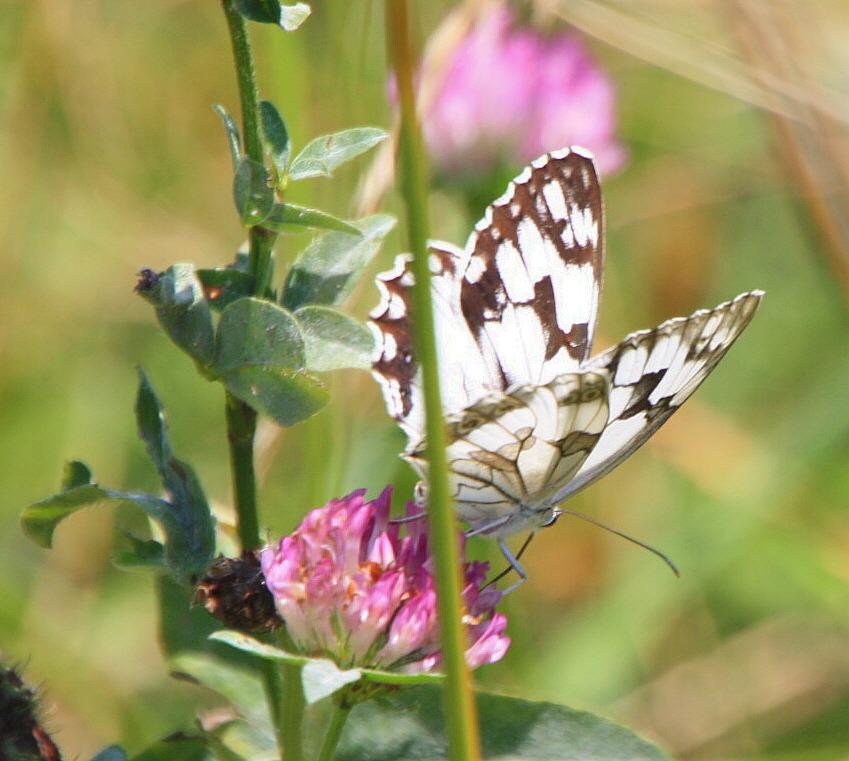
531, 417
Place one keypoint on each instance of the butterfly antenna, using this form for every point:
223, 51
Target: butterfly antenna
589, 519
511, 567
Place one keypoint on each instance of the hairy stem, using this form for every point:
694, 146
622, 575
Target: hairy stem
460, 711
241, 419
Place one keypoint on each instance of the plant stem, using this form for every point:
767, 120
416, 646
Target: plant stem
334, 731
459, 709
241, 426
261, 240
292, 706
241, 419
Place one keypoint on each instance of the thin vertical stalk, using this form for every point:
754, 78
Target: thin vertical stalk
334, 731
459, 708
241, 419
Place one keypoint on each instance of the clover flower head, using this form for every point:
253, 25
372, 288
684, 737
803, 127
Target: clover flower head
510, 93
354, 587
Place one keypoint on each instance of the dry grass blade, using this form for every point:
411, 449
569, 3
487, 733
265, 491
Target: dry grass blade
691, 57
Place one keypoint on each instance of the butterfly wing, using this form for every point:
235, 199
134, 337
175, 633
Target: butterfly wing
517, 306
464, 375
532, 279
653, 372
508, 451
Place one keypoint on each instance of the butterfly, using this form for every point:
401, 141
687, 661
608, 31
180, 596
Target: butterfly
532, 417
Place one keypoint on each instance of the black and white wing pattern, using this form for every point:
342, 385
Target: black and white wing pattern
532, 418
653, 372
517, 306
510, 450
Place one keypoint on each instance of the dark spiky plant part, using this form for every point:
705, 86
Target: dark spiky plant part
234, 591
22, 738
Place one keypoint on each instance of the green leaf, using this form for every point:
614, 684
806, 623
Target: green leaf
321, 678
238, 740
409, 725
333, 340
292, 16
291, 218
75, 473
242, 687
255, 332
141, 553
40, 519
188, 524
286, 396
182, 310
112, 753
223, 285
247, 644
178, 746
252, 192
276, 136
324, 154
261, 359
234, 140
264, 11
327, 269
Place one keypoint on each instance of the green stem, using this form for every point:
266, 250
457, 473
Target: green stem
460, 711
334, 731
241, 427
241, 419
261, 240
292, 706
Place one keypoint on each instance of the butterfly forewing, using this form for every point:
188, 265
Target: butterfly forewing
653, 372
532, 282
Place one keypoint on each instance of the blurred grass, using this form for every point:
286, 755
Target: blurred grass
113, 160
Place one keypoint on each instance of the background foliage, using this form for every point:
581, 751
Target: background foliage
114, 160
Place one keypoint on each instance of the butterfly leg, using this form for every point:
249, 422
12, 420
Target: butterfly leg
515, 565
409, 518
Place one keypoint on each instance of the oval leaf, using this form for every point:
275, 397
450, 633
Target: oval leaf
326, 271
333, 340
291, 218
248, 644
254, 332
286, 396
252, 193
409, 725
276, 136
233, 138
263, 11
324, 154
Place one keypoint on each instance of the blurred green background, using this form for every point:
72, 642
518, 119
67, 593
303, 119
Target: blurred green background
113, 160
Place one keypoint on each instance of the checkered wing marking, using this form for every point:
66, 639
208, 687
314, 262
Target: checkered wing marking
464, 376
532, 279
516, 448
653, 372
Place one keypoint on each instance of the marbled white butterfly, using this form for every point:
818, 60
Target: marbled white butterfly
532, 417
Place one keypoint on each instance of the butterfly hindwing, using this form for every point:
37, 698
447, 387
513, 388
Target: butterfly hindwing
514, 448
653, 372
